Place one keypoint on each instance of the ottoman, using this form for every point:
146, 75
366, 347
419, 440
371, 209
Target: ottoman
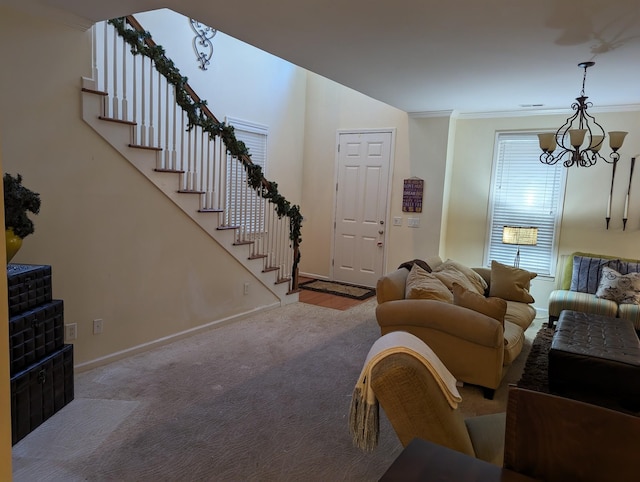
597, 354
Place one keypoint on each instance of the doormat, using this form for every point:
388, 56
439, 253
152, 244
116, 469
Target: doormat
339, 289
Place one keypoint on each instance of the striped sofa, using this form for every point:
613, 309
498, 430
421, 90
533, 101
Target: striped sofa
578, 282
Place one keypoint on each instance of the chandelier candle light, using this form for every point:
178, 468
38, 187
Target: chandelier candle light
569, 137
520, 236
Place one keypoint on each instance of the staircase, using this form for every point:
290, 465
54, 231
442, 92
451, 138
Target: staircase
143, 107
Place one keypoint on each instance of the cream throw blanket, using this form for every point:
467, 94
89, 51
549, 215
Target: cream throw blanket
364, 413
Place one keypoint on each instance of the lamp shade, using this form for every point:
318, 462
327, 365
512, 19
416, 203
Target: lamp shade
520, 235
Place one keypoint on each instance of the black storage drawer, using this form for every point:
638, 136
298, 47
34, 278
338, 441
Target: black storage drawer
35, 334
40, 391
29, 285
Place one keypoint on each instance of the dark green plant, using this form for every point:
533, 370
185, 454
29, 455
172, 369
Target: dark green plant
18, 200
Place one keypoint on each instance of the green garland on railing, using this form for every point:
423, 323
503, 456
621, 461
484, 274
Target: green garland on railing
197, 117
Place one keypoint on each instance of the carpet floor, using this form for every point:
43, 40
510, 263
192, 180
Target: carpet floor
265, 398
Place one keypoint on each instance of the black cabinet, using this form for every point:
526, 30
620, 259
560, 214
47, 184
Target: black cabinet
41, 365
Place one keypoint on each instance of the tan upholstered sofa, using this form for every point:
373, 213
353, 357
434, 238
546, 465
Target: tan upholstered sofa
475, 347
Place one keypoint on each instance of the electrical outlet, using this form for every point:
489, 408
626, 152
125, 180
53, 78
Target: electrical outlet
97, 326
70, 331
246, 288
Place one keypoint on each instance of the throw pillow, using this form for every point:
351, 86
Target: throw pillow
626, 267
621, 288
493, 307
409, 264
586, 273
423, 285
509, 283
450, 274
478, 281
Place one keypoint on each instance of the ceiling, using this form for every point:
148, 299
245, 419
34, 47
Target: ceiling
423, 56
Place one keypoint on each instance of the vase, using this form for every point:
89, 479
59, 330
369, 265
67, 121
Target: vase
14, 243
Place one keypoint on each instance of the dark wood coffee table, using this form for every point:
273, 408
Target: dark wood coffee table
422, 460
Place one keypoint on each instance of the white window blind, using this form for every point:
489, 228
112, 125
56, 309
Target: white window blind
524, 192
244, 207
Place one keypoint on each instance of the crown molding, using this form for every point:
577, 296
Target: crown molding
538, 112
433, 113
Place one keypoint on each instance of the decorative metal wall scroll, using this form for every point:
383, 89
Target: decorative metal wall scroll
626, 201
202, 45
613, 176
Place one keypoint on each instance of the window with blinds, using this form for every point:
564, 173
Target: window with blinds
243, 206
524, 193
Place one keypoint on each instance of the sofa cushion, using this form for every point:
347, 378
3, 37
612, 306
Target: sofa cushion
621, 288
631, 313
625, 266
450, 274
423, 285
472, 276
521, 314
493, 307
586, 272
513, 342
509, 283
586, 302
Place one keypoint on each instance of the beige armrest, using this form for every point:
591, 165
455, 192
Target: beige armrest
392, 286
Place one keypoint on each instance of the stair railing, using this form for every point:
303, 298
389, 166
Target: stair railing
144, 89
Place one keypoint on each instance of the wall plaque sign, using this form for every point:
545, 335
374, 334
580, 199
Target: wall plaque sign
412, 195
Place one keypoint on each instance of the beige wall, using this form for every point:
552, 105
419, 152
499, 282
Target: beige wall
420, 150
587, 190
244, 83
119, 249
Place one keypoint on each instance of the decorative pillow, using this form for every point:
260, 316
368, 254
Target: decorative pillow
626, 267
409, 264
509, 283
450, 274
494, 307
423, 285
621, 288
586, 273
478, 281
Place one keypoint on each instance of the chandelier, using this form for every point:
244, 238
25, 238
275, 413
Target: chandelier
570, 137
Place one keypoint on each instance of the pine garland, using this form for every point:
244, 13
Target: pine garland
197, 117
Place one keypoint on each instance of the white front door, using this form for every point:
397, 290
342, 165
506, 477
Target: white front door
361, 206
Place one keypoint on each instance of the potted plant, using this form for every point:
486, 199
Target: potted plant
18, 200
